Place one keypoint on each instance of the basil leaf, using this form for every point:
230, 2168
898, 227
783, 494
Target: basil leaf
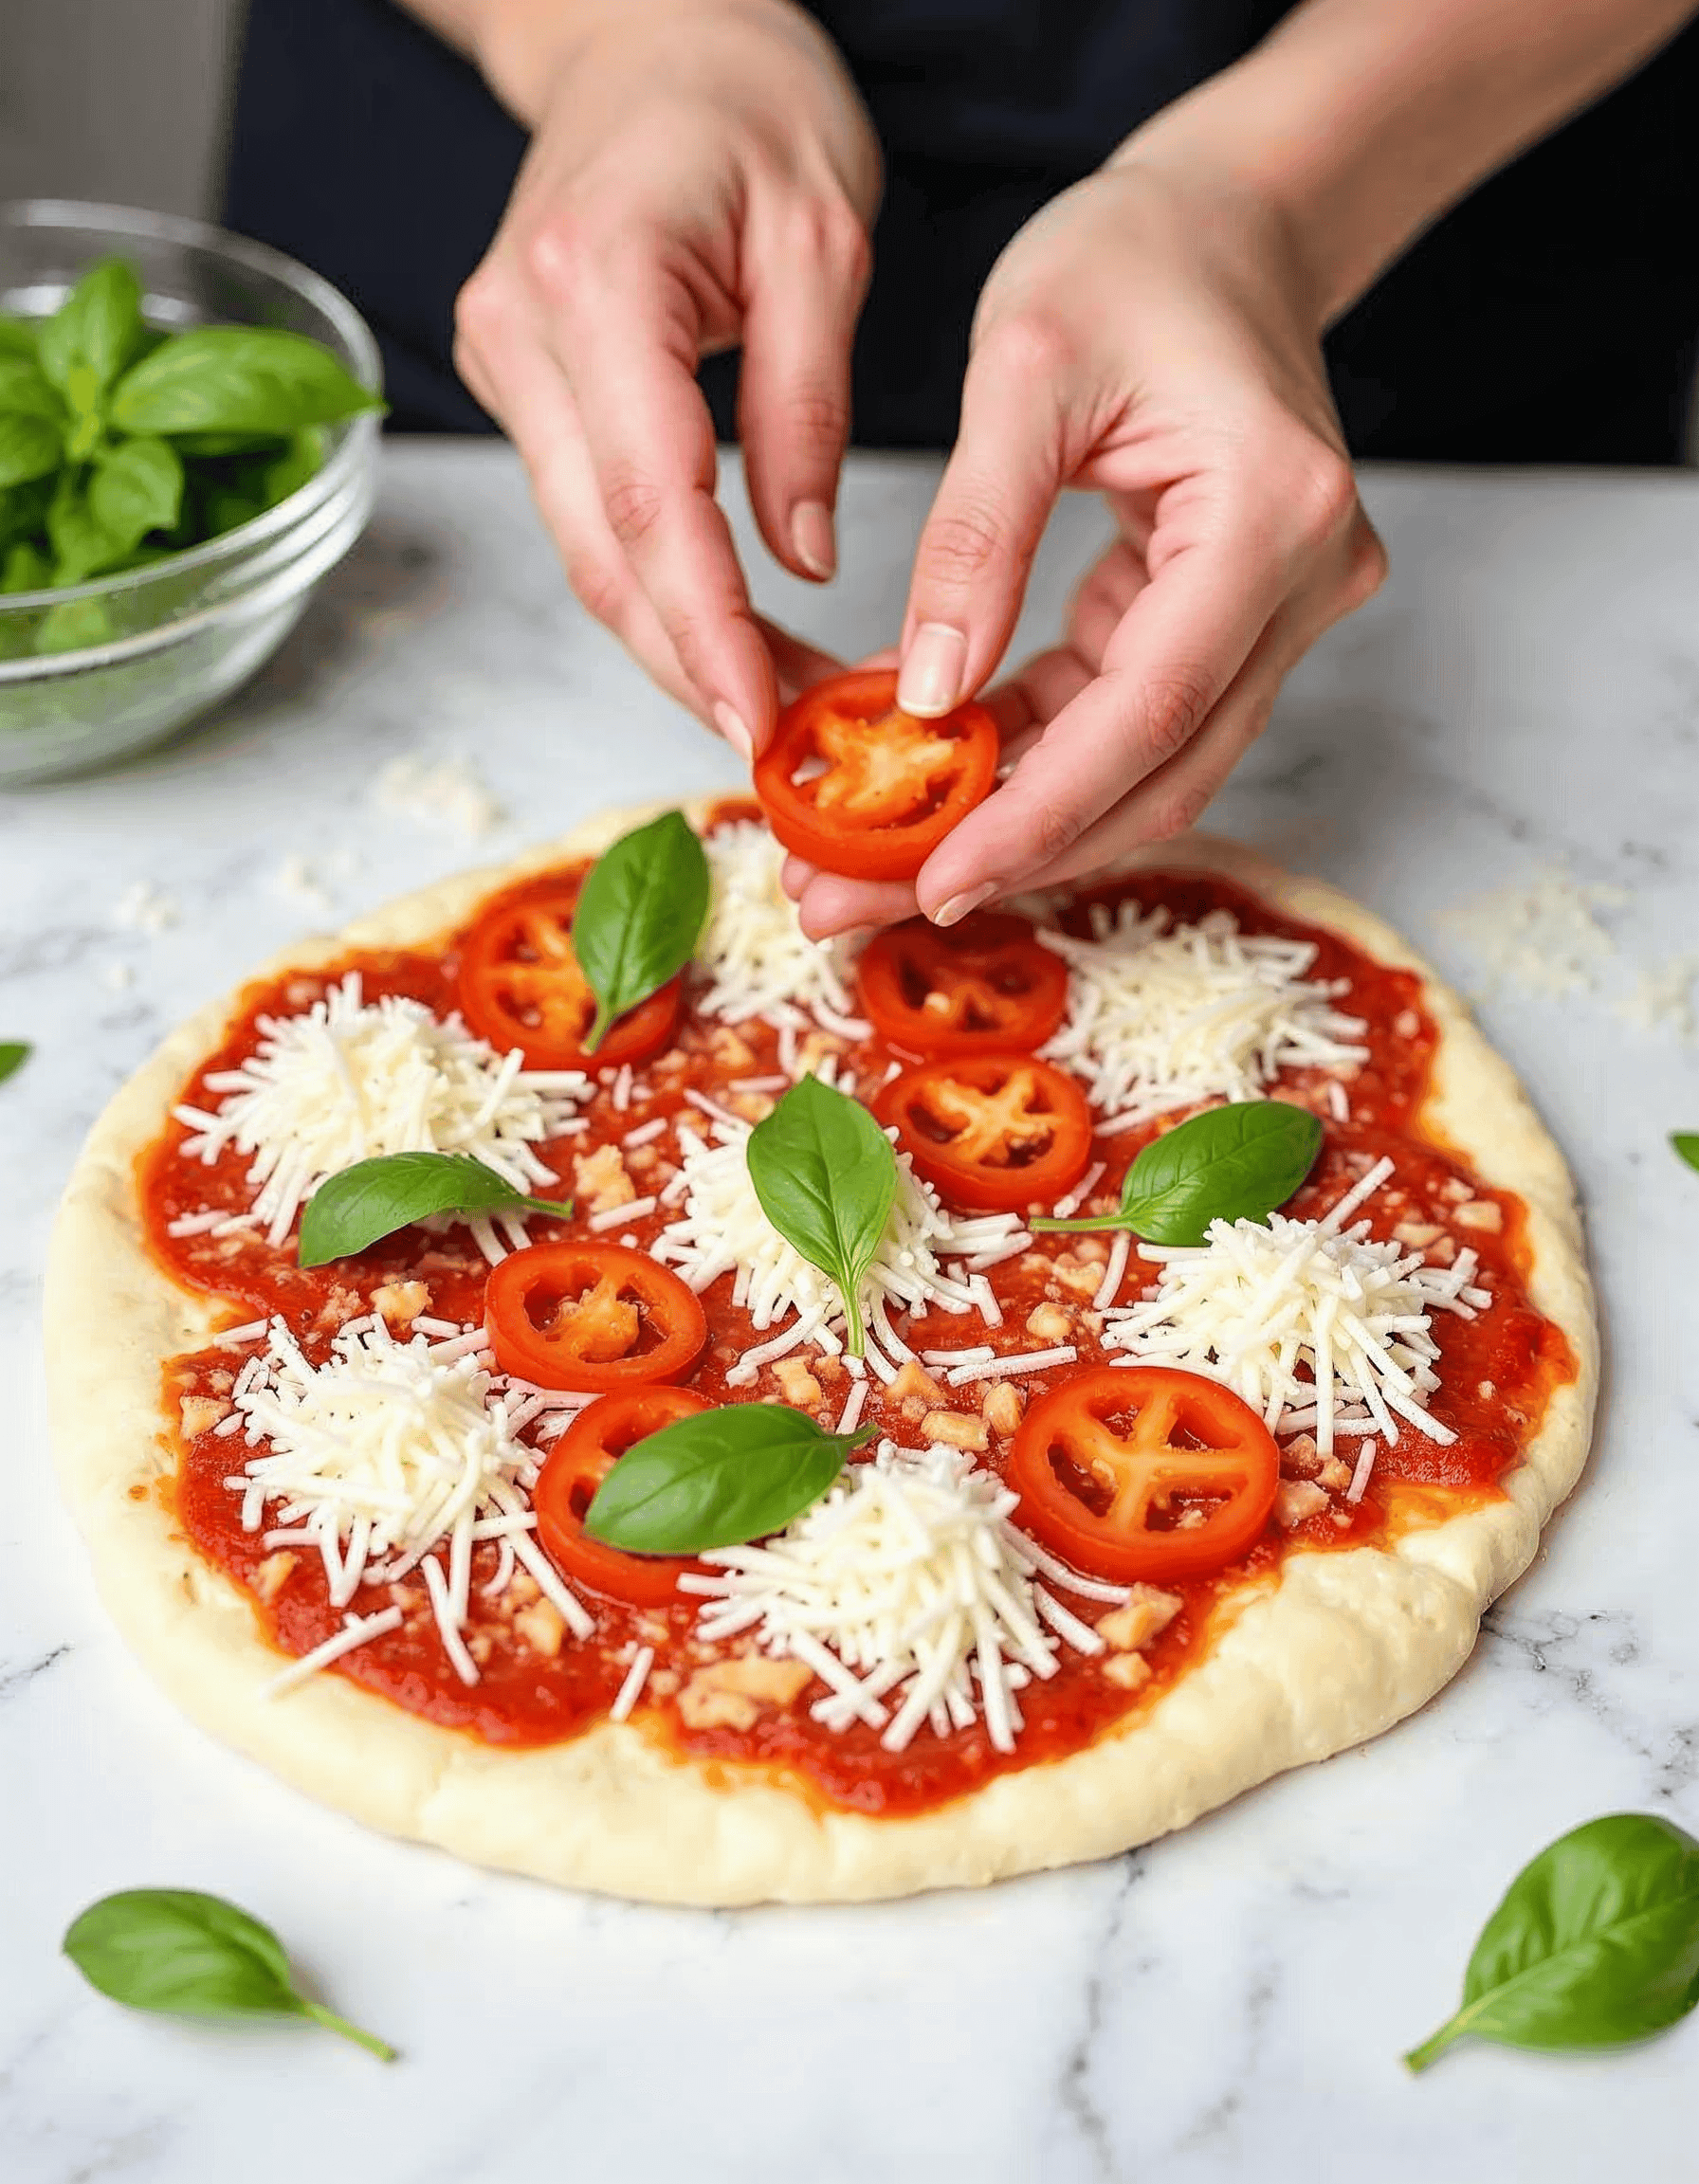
299, 463
136, 487
17, 337
1232, 1163
24, 568
26, 392
30, 447
177, 1950
14, 1054
94, 333
376, 1197
73, 625
639, 914
827, 1177
1595, 1943
1687, 1143
716, 1478
236, 380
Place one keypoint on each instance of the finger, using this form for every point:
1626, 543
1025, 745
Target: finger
625, 332
518, 381
1167, 665
1100, 604
832, 904
793, 385
971, 567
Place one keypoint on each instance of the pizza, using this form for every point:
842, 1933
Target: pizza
1100, 1531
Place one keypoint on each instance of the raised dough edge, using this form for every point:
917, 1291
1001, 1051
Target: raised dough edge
1340, 1649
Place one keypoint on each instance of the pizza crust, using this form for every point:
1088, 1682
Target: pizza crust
1341, 1647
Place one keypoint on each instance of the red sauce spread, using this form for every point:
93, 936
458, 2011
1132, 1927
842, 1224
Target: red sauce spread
1497, 1372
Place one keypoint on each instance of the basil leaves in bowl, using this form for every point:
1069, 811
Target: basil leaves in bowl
188, 444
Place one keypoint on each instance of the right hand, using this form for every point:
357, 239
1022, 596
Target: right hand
701, 172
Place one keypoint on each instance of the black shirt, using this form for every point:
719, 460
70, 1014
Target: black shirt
1553, 316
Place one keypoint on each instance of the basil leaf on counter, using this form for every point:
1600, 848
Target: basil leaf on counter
189, 1954
639, 914
94, 333
236, 380
135, 488
1234, 1163
14, 1054
376, 1197
1687, 1143
827, 1177
716, 1478
1595, 1943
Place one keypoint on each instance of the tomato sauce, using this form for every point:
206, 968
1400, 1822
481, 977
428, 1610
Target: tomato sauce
1497, 1372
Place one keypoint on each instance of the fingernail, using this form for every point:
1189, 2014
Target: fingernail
956, 908
930, 681
814, 540
732, 728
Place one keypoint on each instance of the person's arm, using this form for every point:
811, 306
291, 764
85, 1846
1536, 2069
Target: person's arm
1156, 334
700, 174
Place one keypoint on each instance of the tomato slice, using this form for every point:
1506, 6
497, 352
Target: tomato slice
576, 1466
991, 1132
520, 986
594, 1316
967, 989
857, 786
1113, 1469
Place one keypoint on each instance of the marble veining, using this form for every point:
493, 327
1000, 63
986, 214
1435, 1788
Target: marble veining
1227, 2005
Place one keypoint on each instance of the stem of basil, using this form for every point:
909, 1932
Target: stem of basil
329, 2019
600, 1025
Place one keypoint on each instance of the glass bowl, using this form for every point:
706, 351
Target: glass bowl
127, 660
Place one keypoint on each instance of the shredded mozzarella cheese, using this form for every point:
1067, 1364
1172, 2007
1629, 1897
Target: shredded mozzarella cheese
1260, 1301
348, 1079
1164, 1016
758, 959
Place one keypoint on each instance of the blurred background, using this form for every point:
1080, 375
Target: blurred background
122, 104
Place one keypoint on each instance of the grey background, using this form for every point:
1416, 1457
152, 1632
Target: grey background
121, 101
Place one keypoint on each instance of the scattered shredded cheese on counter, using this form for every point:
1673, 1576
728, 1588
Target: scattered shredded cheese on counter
906, 1584
753, 949
724, 1230
1162, 1016
1540, 933
448, 793
389, 1457
1258, 1300
348, 1079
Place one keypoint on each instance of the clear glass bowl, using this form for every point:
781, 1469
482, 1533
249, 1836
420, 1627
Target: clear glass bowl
176, 637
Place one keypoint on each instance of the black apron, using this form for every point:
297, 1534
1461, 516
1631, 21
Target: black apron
1551, 318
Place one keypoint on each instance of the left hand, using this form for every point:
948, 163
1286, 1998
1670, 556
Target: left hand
1148, 333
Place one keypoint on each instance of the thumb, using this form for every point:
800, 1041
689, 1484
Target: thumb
971, 567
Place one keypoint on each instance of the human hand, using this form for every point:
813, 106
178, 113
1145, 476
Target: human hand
1150, 337
701, 172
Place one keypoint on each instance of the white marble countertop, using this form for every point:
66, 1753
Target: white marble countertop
1230, 2004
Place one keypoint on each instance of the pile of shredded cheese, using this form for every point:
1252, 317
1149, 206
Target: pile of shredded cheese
348, 1079
1260, 1301
906, 1584
758, 961
1164, 1016
722, 1230
392, 1457
1540, 933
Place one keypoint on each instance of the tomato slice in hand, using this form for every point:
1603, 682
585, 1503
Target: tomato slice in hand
991, 1132
520, 986
1115, 1468
857, 786
576, 1466
592, 1315
969, 988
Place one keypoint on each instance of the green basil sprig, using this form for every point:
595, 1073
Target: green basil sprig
236, 380
1687, 1143
1595, 1943
1234, 1163
94, 333
825, 1176
376, 1197
14, 1054
716, 1478
639, 915
190, 1954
